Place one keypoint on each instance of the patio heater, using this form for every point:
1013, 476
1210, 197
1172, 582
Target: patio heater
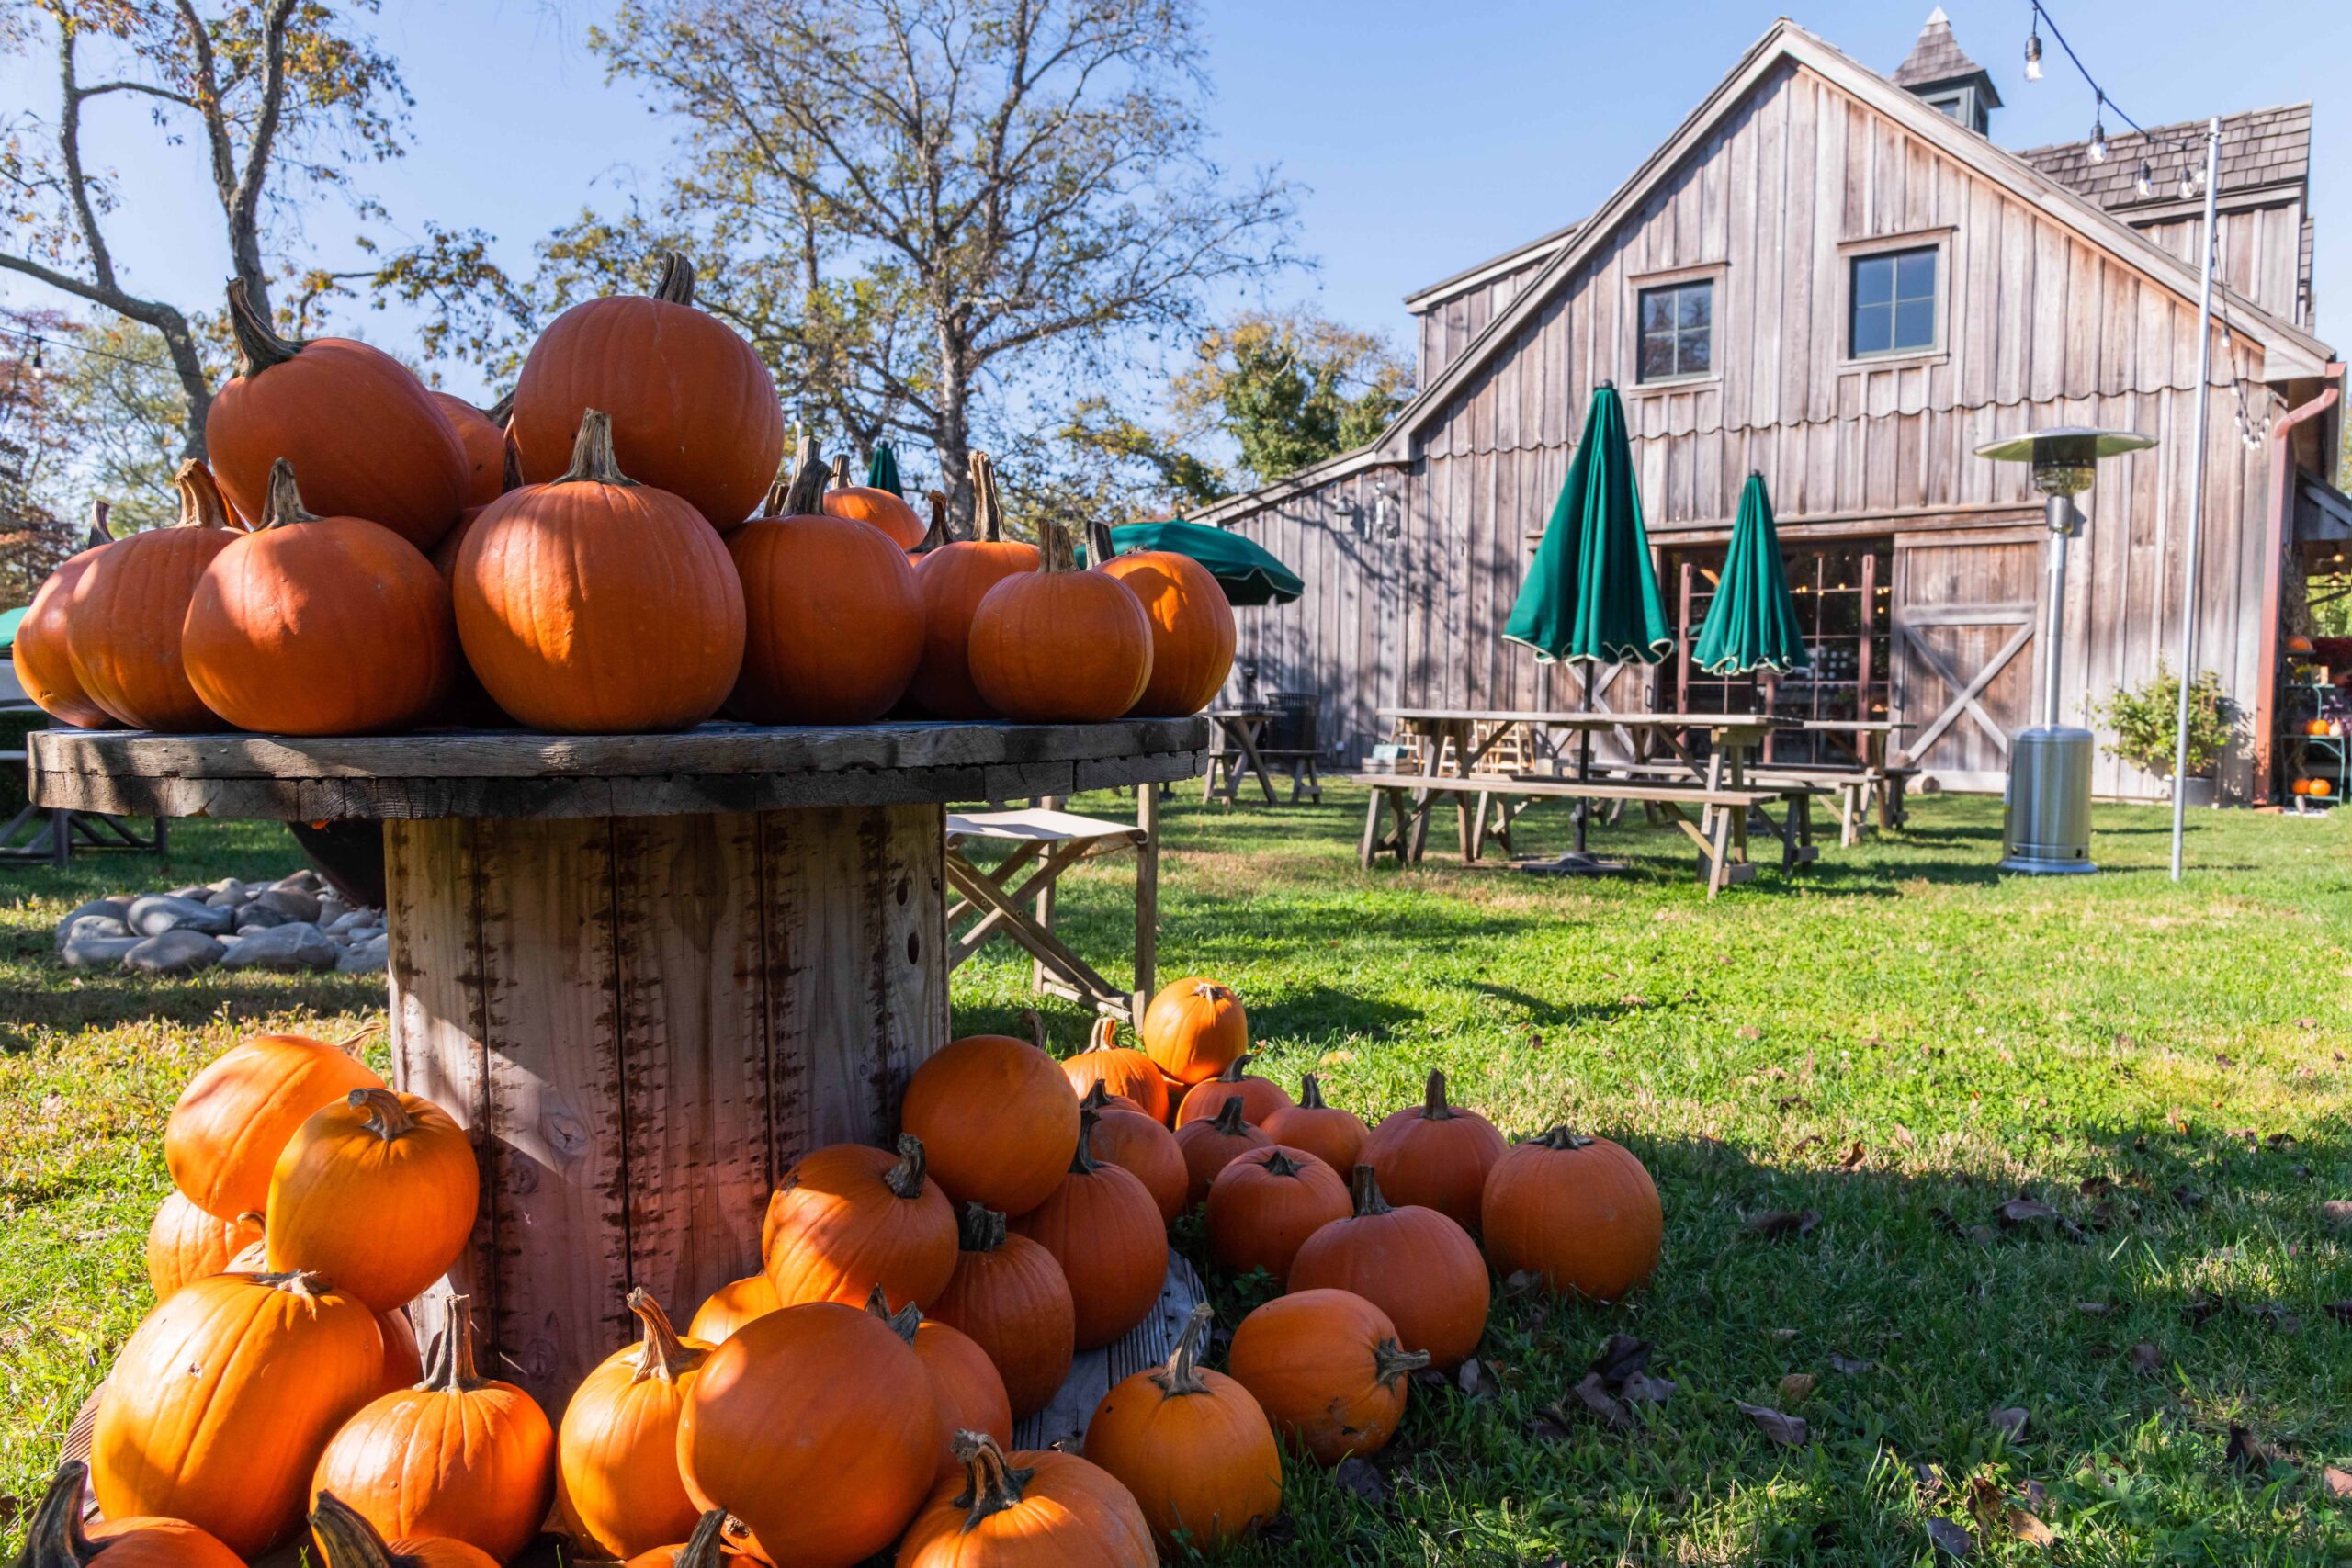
2046, 830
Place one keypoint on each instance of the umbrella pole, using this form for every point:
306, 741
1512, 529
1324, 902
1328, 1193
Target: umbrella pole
1584, 761
1576, 862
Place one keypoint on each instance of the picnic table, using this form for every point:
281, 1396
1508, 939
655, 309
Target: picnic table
1234, 751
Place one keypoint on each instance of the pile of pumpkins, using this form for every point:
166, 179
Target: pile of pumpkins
364, 555
858, 1394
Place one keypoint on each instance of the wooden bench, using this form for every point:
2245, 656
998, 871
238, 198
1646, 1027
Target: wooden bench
1300, 766
1856, 788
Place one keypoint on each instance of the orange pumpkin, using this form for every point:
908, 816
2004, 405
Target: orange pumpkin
2301, 786
816, 1405
362, 431
484, 444
2320, 787
377, 1191
848, 1220
2298, 644
694, 410
42, 652
1060, 644
710, 1546
954, 577
129, 604
1194, 1028
1580, 1213
1102, 1225
834, 618
1037, 1508
617, 1452
1326, 1368
218, 1407
2311, 726
1333, 1135
184, 1243
1011, 1296
997, 1121
403, 1363
971, 1394
1126, 1136
224, 1136
1120, 1069
1209, 1146
347, 1541
1193, 1446
1259, 1097
1265, 1204
1191, 629
727, 1309
55, 1539
1412, 1263
1435, 1155
887, 514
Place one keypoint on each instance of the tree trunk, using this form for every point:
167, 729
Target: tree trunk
953, 437
194, 386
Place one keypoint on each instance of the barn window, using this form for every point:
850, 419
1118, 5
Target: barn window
1677, 325
1894, 301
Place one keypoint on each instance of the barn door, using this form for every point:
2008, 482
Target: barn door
1964, 614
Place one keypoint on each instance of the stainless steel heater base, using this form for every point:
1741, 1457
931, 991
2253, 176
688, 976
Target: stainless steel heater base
2047, 830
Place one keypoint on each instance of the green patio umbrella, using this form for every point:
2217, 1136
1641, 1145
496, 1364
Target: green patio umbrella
882, 473
1247, 572
1752, 625
9, 621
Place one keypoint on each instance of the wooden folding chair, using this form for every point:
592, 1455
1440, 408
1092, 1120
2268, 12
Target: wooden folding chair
1013, 897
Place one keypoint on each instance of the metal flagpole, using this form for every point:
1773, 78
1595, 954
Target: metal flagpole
2188, 671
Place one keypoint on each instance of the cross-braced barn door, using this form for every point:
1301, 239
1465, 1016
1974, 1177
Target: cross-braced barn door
1964, 617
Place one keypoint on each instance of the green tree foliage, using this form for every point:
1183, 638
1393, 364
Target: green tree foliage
2147, 721
1293, 389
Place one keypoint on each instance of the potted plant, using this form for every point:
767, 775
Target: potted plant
2145, 719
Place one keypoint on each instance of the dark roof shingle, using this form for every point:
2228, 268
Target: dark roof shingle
2259, 147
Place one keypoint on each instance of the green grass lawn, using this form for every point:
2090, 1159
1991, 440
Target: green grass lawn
2165, 1066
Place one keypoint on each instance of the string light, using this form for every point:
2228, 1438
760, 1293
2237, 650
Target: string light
2188, 183
2033, 50
2145, 181
2098, 128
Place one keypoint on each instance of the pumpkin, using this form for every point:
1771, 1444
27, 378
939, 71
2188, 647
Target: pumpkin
1120, 1069
303, 595
818, 1428
363, 434
2301, 786
694, 410
484, 444
347, 1541
42, 651
1209, 1146
223, 1136
727, 1309
1580, 1213
403, 1363
1011, 1296
184, 1243
1126, 1136
1191, 629
1259, 1097
1326, 1368
848, 1220
2311, 726
1412, 1263
954, 577
2298, 644
970, 1393
55, 1539
1060, 644
1191, 1445
218, 1407
129, 604
1103, 1227
1037, 1508
377, 1191
1265, 1204
458, 1455
1333, 1135
708, 1547
594, 603
885, 512
1194, 1028
617, 1452
1435, 1155
997, 1121
2321, 788
833, 618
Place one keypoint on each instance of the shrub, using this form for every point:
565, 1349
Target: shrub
2144, 721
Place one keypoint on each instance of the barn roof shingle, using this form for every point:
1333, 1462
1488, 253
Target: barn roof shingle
2259, 147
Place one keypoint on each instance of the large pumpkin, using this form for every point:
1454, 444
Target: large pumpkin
834, 618
1010, 1296
1265, 1204
458, 1455
184, 1243
617, 1452
364, 433
1194, 1028
730, 1307
1333, 1135
1412, 1263
485, 449
1191, 629
224, 1136
1061, 644
1142, 1144
129, 605
377, 1191
694, 410
1259, 1097
55, 1538
954, 577
848, 1220
594, 603
1191, 1445
970, 1391
1102, 1225
1581, 1213
1326, 1368
42, 652
218, 1407
1120, 1069
1209, 1146
318, 626
347, 1541
818, 1428
1036, 1508
1435, 1155
997, 1121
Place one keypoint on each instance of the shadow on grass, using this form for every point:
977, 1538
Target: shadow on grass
110, 1000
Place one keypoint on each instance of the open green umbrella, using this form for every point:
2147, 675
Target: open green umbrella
1752, 625
1247, 572
9, 621
882, 473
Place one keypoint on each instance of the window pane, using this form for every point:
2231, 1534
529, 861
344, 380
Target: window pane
1658, 308
1873, 329
1873, 281
1698, 304
1658, 354
1914, 324
1697, 358
1916, 275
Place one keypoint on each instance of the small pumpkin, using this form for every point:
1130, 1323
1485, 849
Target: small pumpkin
1326, 1368
1191, 629
971, 1393
1435, 1155
224, 1134
1061, 644
1194, 1028
1209, 1146
1120, 1069
1103, 1227
377, 1191
727, 1309
184, 1243
886, 512
484, 444
617, 1452
713, 1544
1265, 1204
1125, 1135
1259, 1097
997, 1121
42, 651
1193, 1446
55, 1539
129, 605
1011, 1296
848, 1220
347, 1541
1333, 1135
459, 1455
954, 577
1412, 1263
2322, 788
1037, 1508
218, 1407
1581, 1213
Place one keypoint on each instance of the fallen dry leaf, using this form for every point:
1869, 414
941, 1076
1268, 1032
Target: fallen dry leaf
1985, 1502
1782, 1222
1750, 1031
2022, 1211
2338, 1482
2146, 1357
1951, 1537
2337, 1213
1620, 1358
1796, 1387
1643, 1388
2245, 1452
1852, 1158
1903, 1135
1475, 1380
1788, 1431
2030, 1529
1355, 1476
2198, 1309
2009, 1422
1597, 1401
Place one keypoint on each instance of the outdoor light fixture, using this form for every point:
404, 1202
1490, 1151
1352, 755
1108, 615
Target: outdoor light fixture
2033, 52
2188, 183
2098, 149
2048, 826
2145, 183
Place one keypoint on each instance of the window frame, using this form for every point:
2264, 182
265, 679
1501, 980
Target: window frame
1711, 274
1852, 253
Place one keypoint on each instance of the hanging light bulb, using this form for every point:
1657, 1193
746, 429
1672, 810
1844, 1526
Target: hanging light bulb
2188, 183
39, 373
2098, 149
2145, 183
2033, 48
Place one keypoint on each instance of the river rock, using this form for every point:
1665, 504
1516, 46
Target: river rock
365, 957
258, 916
169, 912
109, 908
86, 950
175, 952
291, 902
302, 881
196, 892
298, 945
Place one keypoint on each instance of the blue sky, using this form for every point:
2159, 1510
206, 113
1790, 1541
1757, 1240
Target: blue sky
1429, 137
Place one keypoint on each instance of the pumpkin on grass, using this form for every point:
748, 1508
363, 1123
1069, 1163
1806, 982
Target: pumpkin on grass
1333, 1135
954, 577
1037, 1508
458, 1455
42, 652
1191, 629
218, 1407
1326, 1368
1102, 1225
184, 1243
848, 1220
347, 1541
727, 1309
1120, 1069
1191, 1445
1261, 1098
1265, 1204
971, 1393
1126, 1136
1435, 1155
484, 444
1010, 1296
1412, 1263
1581, 1213
1062, 644
617, 1452
224, 1134
997, 1121
56, 1537
376, 1190
129, 605
1209, 1146
1194, 1028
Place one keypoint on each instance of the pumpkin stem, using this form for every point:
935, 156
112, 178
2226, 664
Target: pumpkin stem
991, 1482
1279, 1163
1310, 1093
347, 1539
1433, 1105
1236, 1069
936, 535
592, 453
1104, 1035
1564, 1137
1036, 1023
451, 1370
284, 505
1364, 1184
1229, 1120
707, 1547
297, 1281
663, 1355
988, 507
677, 282
1082, 1161
982, 1228
903, 1322
1182, 1372
350, 1045
1096, 1099
804, 496
1391, 1360
99, 533
200, 503
1054, 552
905, 1178
56, 1538
387, 1117
1098, 548
258, 345
841, 471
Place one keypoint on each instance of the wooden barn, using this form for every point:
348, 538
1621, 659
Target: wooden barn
1835, 278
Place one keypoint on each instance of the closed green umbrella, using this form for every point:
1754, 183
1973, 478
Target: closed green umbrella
882, 473
1752, 625
1247, 574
